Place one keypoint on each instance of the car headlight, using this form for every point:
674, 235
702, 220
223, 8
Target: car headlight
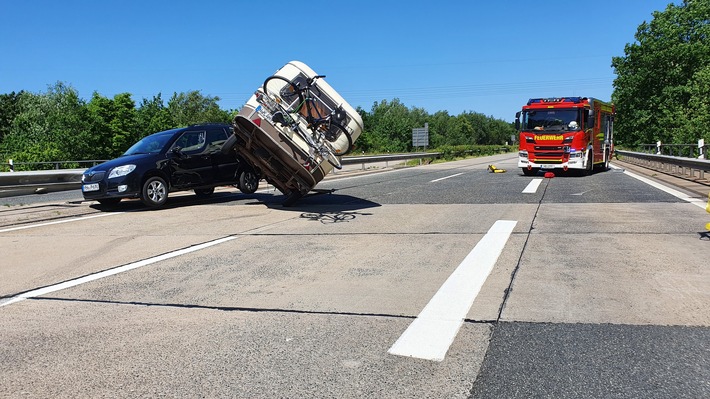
121, 171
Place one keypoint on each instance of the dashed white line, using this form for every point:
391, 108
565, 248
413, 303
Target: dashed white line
447, 177
431, 334
532, 186
112, 272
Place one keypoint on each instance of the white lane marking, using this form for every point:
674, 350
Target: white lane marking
532, 186
447, 177
58, 222
111, 272
433, 331
675, 193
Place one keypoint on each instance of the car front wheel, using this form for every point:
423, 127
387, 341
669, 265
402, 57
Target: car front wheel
155, 192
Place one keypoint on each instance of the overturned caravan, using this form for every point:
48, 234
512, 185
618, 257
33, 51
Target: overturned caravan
276, 130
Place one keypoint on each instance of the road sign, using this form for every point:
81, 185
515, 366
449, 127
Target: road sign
420, 136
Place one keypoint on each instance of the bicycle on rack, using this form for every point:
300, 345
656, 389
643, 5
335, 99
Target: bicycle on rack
296, 103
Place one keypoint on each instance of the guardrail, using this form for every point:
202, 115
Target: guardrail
10, 166
365, 159
687, 167
45, 181
699, 150
39, 182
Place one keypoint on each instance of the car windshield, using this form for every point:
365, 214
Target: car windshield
152, 144
551, 120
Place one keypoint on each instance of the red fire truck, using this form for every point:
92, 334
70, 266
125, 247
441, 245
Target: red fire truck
565, 133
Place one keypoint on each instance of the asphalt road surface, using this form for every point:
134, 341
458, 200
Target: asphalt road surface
439, 281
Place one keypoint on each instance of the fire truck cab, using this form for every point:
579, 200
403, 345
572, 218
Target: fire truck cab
565, 133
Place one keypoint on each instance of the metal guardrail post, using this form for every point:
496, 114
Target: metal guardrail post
701, 149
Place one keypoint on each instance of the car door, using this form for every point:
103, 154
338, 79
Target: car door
191, 166
224, 166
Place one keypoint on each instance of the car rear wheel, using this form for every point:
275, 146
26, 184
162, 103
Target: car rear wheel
155, 192
248, 181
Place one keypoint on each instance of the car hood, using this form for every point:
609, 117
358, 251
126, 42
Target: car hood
138, 159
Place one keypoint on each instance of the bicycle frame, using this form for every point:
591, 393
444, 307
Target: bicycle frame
316, 141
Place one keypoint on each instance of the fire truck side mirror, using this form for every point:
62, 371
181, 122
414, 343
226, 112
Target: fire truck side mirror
517, 120
590, 118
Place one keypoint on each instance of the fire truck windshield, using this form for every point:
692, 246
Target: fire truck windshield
547, 120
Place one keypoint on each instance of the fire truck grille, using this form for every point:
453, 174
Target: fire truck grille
549, 148
549, 154
547, 161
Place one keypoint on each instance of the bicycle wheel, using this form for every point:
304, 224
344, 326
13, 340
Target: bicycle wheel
332, 133
329, 154
284, 89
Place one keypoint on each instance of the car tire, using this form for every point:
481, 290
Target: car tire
155, 192
248, 181
204, 192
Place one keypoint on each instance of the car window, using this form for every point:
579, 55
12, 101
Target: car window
215, 139
151, 144
191, 141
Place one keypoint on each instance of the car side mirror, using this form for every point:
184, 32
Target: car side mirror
177, 150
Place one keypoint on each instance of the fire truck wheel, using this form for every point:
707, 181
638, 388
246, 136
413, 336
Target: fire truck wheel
590, 163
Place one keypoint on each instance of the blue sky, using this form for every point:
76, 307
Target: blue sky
482, 56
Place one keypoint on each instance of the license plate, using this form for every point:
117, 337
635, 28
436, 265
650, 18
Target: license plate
90, 187
548, 166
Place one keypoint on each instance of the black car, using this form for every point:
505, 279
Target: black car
188, 158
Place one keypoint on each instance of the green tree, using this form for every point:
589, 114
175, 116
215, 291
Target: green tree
153, 116
192, 107
440, 129
113, 125
392, 123
661, 76
699, 105
123, 125
47, 126
9, 108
